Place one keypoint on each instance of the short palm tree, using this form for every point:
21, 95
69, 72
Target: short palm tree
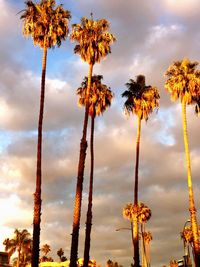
141, 100
20, 242
143, 214
100, 99
45, 249
184, 83
48, 26
147, 237
94, 43
60, 254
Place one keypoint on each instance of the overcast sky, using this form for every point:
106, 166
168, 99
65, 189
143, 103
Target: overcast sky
151, 34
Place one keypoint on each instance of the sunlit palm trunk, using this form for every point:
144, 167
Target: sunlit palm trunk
142, 248
132, 237
190, 190
89, 211
144, 252
148, 254
135, 219
37, 195
18, 258
79, 185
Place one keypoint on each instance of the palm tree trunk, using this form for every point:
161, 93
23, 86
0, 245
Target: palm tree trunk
190, 190
135, 219
18, 258
79, 185
132, 236
37, 195
136, 241
89, 211
143, 253
137, 162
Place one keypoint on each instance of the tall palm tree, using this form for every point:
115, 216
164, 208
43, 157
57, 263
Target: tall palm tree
48, 26
99, 100
19, 243
94, 43
184, 83
141, 101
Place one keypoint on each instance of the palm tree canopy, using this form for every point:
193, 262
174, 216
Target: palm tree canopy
140, 99
141, 211
187, 234
47, 24
46, 249
93, 38
60, 252
184, 82
100, 95
147, 237
144, 213
21, 240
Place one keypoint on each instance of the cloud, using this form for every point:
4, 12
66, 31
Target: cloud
150, 36
188, 8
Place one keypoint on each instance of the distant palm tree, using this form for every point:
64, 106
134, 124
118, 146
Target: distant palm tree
60, 253
99, 100
147, 237
45, 249
141, 101
19, 243
48, 26
144, 215
94, 43
184, 82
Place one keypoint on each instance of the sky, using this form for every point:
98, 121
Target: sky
150, 35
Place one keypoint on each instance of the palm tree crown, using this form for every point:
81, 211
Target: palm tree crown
46, 249
141, 99
141, 211
47, 25
183, 81
21, 242
100, 95
93, 38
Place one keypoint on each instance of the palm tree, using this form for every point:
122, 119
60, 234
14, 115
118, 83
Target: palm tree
19, 243
99, 100
147, 237
184, 82
144, 216
48, 26
94, 43
60, 254
141, 101
45, 249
